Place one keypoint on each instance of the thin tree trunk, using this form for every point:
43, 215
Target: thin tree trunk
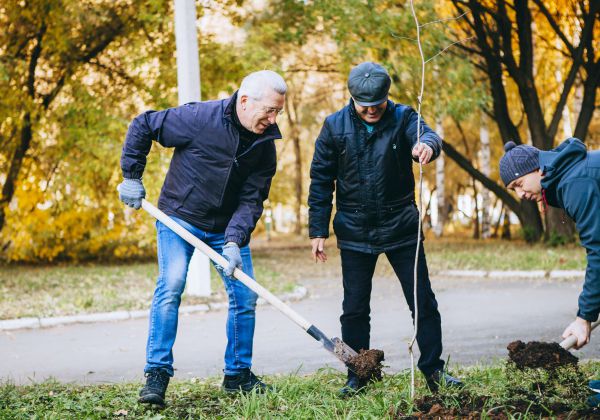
497, 226
298, 182
438, 229
506, 224
476, 234
578, 98
484, 135
8, 189
590, 90
292, 117
566, 114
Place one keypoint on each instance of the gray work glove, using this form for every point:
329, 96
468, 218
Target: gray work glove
131, 192
231, 252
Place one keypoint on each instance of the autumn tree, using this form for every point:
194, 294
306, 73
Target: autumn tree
72, 76
514, 45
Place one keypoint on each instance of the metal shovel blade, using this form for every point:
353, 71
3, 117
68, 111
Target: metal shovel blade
342, 350
334, 345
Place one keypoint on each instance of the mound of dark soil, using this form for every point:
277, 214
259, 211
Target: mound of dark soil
537, 354
367, 364
433, 407
474, 407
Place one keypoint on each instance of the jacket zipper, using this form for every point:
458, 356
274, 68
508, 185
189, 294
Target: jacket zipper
236, 161
235, 158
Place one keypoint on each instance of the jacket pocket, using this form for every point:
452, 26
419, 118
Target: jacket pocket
349, 224
398, 222
195, 202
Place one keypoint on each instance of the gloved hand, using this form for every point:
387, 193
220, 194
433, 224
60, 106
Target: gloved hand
231, 252
131, 192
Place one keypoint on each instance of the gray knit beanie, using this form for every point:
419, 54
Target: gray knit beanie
518, 161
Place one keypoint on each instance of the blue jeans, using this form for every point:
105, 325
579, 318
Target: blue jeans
174, 255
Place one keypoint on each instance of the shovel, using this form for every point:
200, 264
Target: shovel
569, 342
334, 345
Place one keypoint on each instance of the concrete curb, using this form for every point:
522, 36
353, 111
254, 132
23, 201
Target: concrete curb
300, 292
520, 274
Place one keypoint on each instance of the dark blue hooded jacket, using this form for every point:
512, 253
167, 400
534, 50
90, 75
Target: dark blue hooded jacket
208, 183
572, 182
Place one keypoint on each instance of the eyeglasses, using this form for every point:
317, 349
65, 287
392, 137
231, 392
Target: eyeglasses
269, 110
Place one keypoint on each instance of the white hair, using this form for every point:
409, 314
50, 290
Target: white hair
256, 84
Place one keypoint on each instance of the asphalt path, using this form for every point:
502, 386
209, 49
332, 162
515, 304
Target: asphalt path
479, 318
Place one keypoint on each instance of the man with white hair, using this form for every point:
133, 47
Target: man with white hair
219, 176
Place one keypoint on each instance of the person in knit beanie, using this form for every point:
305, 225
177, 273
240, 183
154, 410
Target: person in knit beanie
568, 178
519, 170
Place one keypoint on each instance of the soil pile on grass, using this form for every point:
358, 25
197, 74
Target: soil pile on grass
469, 406
537, 354
367, 364
434, 407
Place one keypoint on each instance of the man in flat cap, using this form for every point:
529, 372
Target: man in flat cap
365, 151
567, 177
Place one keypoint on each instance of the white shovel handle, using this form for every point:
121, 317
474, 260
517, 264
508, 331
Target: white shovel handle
222, 261
569, 342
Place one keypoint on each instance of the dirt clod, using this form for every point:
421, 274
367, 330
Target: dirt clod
367, 364
536, 354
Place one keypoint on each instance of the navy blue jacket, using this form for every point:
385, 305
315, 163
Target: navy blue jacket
572, 182
207, 184
373, 178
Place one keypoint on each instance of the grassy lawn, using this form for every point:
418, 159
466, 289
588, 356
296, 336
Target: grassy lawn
292, 258
499, 391
66, 290
502, 255
279, 265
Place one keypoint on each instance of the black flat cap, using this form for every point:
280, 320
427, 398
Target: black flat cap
369, 84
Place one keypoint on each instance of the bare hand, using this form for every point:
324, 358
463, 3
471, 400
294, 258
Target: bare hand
581, 329
423, 152
318, 249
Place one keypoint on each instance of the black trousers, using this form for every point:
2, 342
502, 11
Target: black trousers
358, 269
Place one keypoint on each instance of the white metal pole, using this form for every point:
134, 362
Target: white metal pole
188, 86
186, 38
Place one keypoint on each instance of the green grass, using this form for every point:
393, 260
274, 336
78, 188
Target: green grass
292, 258
502, 255
30, 291
279, 266
494, 390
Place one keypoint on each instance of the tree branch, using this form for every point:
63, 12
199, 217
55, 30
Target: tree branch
500, 192
577, 62
554, 25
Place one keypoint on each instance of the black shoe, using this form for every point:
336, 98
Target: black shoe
439, 377
153, 392
245, 381
352, 387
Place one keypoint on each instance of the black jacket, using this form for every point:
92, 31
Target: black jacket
572, 182
373, 176
208, 184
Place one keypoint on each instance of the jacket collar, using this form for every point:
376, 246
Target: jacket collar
272, 132
556, 164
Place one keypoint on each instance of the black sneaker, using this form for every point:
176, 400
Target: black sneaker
245, 381
439, 377
153, 392
352, 387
